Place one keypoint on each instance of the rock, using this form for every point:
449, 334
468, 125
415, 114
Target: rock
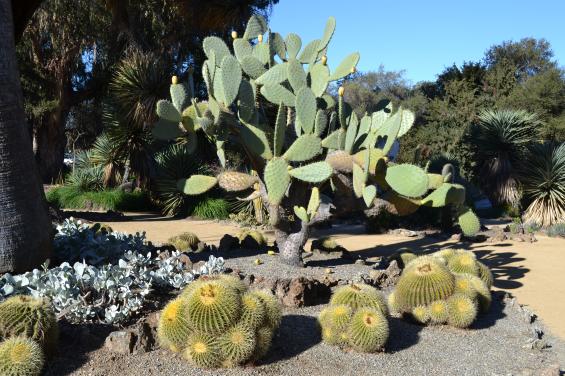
298, 292
360, 261
121, 342
329, 270
228, 242
552, 370
185, 260
385, 278
456, 237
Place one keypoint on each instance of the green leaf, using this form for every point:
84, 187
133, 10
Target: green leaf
246, 102
369, 194
196, 184
278, 94
276, 179
408, 180
306, 109
166, 110
179, 96
280, 130
301, 213
310, 52
256, 141
252, 66
319, 79
328, 33
242, 48
216, 45
296, 75
255, 26
230, 79
316, 172
275, 75
345, 67
304, 148
166, 130
293, 45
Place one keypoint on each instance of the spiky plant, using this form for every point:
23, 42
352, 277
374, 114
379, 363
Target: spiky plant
187, 241
34, 318
203, 350
543, 180
464, 285
273, 309
104, 156
368, 330
252, 239
289, 147
424, 280
392, 304
439, 312
263, 341
174, 327
233, 281
174, 163
464, 262
213, 306
500, 138
486, 274
237, 344
421, 314
462, 311
253, 312
359, 295
483, 294
211, 208
20, 356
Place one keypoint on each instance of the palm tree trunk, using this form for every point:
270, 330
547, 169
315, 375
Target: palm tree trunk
25, 228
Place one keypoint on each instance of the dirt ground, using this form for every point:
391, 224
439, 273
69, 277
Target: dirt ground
533, 272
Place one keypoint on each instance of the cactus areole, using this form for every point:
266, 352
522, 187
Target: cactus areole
268, 94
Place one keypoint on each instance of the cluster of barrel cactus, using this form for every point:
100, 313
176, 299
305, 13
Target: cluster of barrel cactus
218, 322
309, 141
356, 318
29, 332
446, 287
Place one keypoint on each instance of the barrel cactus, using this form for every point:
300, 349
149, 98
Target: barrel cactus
218, 322
356, 318
32, 318
270, 97
449, 286
20, 356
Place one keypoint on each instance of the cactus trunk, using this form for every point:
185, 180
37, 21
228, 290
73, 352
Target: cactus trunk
291, 245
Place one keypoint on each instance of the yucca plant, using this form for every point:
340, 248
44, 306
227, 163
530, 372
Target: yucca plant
500, 139
174, 163
104, 155
543, 180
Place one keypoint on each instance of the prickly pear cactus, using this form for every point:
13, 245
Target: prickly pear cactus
269, 95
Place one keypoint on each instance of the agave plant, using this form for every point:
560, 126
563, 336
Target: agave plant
543, 179
500, 139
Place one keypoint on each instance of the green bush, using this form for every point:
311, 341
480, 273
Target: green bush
72, 197
211, 208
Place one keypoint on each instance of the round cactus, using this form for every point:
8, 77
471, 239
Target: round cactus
439, 312
464, 285
484, 296
359, 295
237, 344
233, 281
330, 335
253, 310
368, 330
203, 350
213, 306
444, 254
403, 258
337, 316
263, 340
426, 279
421, 314
393, 304
462, 311
187, 241
464, 262
20, 356
30, 317
252, 239
485, 274
273, 310
174, 328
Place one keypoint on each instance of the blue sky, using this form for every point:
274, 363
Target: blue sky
418, 36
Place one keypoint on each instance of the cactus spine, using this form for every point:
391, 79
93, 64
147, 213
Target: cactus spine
20, 356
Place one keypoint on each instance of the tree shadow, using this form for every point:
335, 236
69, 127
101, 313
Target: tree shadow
403, 334
495, 313
75, 343
296, 334
506, 275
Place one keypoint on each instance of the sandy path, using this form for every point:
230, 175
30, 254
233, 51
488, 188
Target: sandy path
534, 273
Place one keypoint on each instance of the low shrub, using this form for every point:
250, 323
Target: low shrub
556, 230
211, 208
72, 197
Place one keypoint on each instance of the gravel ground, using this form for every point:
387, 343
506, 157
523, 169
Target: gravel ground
494, 346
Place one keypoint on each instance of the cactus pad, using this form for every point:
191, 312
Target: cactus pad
408, 180
304, 148
340, 161
316, 172
346, 67
276, 179
469, 222
233, 181
196, 184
